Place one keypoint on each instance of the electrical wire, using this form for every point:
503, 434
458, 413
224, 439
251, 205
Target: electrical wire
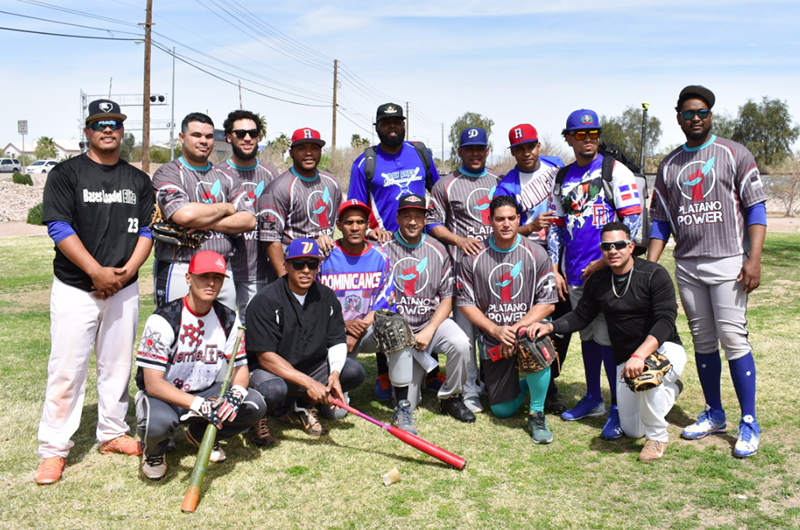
65, 35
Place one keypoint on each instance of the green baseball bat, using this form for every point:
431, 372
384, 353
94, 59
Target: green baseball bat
192, 496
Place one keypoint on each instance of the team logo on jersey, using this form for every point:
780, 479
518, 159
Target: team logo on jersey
580, 203
352, 303
403, 179
151, 344
503, 281
210, 193
413, 275
253, 191
694, 177
191, 334
319, 205
478, 204
587, 119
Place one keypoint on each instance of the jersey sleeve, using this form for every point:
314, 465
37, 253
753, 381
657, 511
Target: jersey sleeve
146, 200
658, 202
626, 193
336, 199
464, 283
272, 218
748, 180
437, 207
385, 296
446, 283
155, 347
545, 290
59, 196
170, 193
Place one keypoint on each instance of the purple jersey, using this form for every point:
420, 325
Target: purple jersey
299, 207
177, 184
506, 284
423, 276
362, 282
703, 192
249, 262
532, 192
395, 176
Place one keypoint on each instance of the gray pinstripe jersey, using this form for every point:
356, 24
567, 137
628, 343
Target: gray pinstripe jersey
703, 193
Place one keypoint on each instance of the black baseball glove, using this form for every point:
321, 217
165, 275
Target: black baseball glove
533, 355
392, 332
169, 233
656, 367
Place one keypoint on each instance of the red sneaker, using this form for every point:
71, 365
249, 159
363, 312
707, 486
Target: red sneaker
122, 444
50, 470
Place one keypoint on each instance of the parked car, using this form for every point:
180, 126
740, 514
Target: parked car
9, 165
41, 166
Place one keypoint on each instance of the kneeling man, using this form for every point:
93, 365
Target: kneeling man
638, 300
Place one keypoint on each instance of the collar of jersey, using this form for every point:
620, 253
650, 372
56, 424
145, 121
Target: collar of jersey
405, 243
301, 177
339, 246
189, 309
509, 249
240, 168
709, 142
474, 175
196, 168
392, 155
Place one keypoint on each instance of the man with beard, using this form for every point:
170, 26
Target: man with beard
195, 195
458, 215
708, 193
249, 262
302, 202
379, 178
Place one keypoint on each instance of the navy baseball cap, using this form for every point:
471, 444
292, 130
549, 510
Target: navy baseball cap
389, 110
303, 248
412, 200
102, 109
583, 119
696, 90
473, 136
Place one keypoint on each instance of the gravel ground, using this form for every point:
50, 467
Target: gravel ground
17, 199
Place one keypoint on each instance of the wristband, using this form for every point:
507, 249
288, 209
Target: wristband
195, 406
640, 358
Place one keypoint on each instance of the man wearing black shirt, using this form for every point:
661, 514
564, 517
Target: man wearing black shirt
296, 344
638, 300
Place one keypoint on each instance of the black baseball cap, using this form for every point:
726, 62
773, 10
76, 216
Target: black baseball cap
389, 110
411, 200
101, 109
699, 91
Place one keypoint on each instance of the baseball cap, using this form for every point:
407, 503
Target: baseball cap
696, 90
303, 248
207, 261
524, 133
583, 119
412, 200
354, 203
389, 110
307, 136
101, 109
473, 136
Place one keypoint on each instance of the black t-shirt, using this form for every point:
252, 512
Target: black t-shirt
276, 322
648, 307
105, 206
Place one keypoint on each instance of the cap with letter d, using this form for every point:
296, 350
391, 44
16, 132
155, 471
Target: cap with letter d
303, 248
208, 261
524, 133
473, 136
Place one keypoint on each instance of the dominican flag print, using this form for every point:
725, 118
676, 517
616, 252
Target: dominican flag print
628, 192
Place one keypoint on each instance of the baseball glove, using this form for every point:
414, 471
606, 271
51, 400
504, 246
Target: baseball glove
533, 355
169, 233
656, 367
392, 332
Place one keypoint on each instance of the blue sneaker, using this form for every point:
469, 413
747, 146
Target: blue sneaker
383, 388
749, 434
612, 430
709, 421
403, 418
585, 407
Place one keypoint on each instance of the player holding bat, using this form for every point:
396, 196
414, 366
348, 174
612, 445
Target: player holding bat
185, 345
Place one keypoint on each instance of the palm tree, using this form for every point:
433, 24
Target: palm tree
45, 148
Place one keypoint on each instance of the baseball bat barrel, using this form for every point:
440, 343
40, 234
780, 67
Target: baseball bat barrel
192, 496
412, 440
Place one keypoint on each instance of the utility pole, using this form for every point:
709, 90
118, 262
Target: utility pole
172, 118
335, 88
645, 106
240, 95
146, 92
443, 143
408, 122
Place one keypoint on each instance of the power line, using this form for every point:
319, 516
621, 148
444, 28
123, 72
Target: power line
76, 12
64, 34
66, 23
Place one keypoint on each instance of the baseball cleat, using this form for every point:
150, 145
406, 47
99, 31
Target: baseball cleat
612, 430
50, 470
709, 421
154, 467
585, 407
403, 418
261, 434
554, 403
455, 407
383, 388
122, 444
308, 420
217, 453
473, 403
749, 434
652, 451
537, 425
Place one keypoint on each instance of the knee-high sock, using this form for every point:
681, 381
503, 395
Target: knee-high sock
537, 384
743, 373
709, 371
400, 393
508, 408
592, 361
611, 371
383, 364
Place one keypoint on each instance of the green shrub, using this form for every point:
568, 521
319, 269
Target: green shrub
35, 215
19, 178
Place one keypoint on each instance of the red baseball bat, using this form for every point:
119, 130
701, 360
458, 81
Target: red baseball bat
412, 440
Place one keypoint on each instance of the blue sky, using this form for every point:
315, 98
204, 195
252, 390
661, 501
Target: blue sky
512, 61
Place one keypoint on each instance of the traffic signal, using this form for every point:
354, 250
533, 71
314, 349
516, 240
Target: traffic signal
157, 98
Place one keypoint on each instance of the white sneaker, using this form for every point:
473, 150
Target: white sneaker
473, 403
749, 435
154, 467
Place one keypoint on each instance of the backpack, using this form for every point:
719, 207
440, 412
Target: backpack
612, 153
422, 152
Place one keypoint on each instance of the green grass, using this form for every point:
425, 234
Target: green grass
579, 481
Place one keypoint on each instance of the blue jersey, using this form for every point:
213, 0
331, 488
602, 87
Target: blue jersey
362, 282
395, 176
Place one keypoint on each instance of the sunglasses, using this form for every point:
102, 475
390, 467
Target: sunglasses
690, 114
581, 135
241, 133
102, 124
300, 264
619, 245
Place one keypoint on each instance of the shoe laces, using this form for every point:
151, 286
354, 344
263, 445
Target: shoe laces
154, 460
405, 415
746, 432
262, 428
51, 464
539, 421
313, 420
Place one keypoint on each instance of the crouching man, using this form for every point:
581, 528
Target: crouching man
185, 346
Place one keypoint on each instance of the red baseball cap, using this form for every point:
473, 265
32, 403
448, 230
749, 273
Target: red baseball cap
524, 133
354, 203
207, 261
307, 136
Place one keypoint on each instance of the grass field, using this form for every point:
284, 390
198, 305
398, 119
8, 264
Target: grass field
579, 481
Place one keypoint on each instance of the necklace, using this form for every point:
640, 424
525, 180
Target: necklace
627, 284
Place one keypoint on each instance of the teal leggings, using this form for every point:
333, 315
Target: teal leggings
537, 384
